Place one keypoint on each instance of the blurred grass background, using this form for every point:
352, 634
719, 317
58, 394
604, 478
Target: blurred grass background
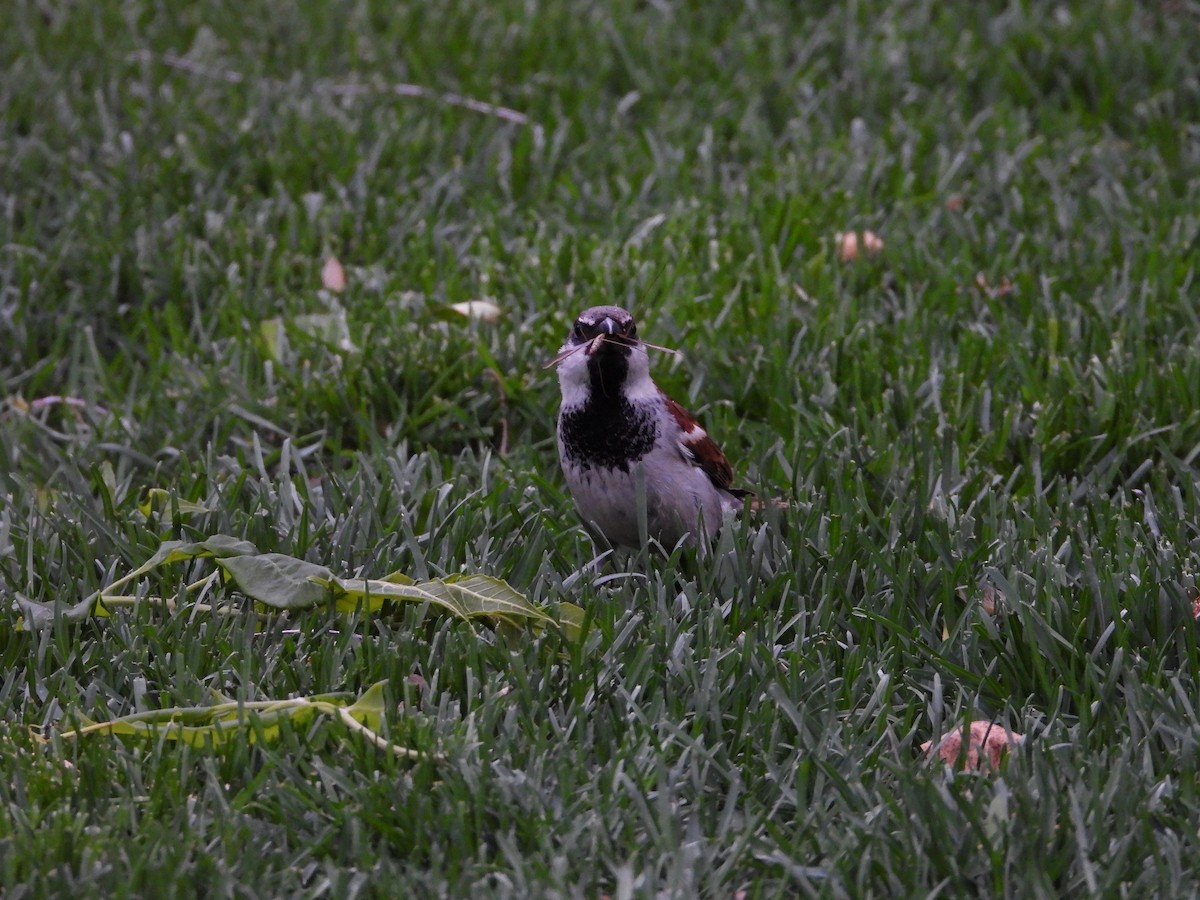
1002, 406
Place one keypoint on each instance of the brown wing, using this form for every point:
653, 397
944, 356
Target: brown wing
701, 450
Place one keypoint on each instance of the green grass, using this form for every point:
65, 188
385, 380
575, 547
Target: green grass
747, 722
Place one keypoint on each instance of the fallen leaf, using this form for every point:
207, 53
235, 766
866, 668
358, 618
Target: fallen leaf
333, 276
987, 743
480, 310
251, 721
162, 501
281, 582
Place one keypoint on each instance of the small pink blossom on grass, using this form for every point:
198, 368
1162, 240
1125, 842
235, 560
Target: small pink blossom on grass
849, 244
333, 276
987, 743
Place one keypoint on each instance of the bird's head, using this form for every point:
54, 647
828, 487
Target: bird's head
603, 351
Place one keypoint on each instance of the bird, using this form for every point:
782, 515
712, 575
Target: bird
620, 437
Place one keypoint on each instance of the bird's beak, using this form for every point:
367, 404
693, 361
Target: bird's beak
608, 326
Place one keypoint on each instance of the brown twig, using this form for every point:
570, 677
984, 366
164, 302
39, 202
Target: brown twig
400, 89
186, 65
30, 408
74, 402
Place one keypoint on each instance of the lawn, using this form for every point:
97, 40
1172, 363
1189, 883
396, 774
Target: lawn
235, 241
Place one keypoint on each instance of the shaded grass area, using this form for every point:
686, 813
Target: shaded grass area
1001, 410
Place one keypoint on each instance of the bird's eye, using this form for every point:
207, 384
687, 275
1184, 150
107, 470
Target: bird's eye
632, 330
577, 331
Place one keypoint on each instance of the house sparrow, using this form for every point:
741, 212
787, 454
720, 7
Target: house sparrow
617, 430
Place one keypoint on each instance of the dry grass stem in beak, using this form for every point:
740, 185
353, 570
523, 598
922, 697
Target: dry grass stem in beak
595, 342
570, 351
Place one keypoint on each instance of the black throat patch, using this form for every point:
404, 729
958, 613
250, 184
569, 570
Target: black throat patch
608, 431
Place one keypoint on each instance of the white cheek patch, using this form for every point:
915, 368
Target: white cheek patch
639, 386
573, 380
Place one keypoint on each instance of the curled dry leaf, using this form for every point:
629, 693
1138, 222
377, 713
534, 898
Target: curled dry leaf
992, 597
480, 310
849, 244
333, 276
986, 744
